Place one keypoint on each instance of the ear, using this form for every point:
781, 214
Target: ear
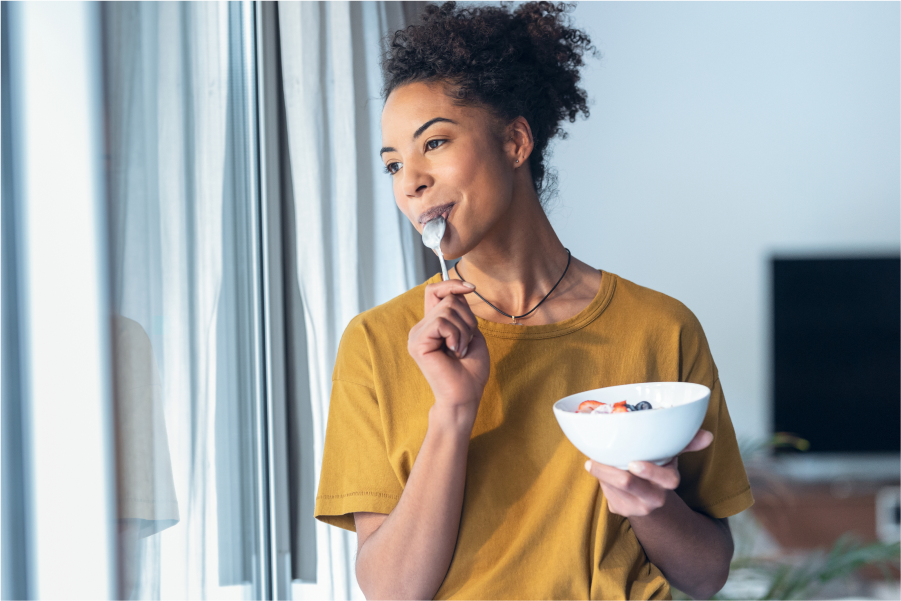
519, 142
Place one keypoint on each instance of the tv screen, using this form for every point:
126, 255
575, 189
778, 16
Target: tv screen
837, 353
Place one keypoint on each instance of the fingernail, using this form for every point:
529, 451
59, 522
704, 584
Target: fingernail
463, 354
636, 467
468, 285
588, 465
453, 348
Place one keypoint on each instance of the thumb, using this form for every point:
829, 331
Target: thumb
701, 441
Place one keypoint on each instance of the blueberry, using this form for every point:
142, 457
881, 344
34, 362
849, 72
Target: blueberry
631, 407
643, 405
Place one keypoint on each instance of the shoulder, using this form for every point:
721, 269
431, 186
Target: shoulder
653, 307
666, 324
396, 314
381, 329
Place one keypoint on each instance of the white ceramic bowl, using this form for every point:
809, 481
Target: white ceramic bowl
655, 435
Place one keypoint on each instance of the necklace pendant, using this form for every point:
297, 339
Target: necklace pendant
516, 323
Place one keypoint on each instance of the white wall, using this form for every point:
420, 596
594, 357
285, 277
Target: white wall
722, 133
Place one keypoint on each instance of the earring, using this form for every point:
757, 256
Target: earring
517, 160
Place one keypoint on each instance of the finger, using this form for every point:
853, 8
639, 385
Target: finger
446, 331
452, 314
455, 308
650, 493
458, 306
439, 290
607, 473
433, 334
461, 306
621, 479
619, 501
664, 476
701, 441
628, 505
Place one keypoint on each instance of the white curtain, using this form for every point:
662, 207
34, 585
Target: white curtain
354, 249
176, 221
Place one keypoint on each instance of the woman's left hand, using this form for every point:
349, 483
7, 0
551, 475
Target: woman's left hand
645, 486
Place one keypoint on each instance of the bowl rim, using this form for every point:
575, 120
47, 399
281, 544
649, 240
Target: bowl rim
701, 388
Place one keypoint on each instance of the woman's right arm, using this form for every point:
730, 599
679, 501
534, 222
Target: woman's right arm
406, 554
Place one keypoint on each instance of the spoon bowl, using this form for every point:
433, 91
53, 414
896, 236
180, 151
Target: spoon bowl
432, 233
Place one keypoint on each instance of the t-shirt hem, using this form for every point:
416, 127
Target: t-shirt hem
730, 505
338, 510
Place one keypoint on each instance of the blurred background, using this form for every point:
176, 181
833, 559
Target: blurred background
193, 209
745, 159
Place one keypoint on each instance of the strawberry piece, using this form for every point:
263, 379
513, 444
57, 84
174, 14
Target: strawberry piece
588, 406
620, 407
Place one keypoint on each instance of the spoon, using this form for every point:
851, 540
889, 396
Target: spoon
432, 233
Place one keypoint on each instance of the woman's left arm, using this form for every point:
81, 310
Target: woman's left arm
692, 550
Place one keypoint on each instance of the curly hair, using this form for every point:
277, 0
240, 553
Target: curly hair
520, 63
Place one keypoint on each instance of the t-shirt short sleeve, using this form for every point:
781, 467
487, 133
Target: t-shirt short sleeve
714, 480
356, 474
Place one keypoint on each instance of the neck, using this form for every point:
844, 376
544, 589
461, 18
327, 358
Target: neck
519, 260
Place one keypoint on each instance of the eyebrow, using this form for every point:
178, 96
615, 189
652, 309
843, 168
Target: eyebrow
419, 131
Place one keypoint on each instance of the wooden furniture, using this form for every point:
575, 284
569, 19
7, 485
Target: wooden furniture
801, 515
804, 516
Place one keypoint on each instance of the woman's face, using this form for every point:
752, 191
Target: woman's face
448, 160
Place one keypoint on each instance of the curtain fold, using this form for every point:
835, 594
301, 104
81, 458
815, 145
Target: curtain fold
182, 280
350, 248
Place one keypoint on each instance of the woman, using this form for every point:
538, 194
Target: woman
442, 451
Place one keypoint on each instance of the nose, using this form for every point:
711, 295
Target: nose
416, 179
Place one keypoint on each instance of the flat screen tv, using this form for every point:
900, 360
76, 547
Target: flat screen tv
837, 352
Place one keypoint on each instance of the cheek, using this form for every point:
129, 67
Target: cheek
477, 175
486, 187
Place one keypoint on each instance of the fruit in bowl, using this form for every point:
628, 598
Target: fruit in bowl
607, 424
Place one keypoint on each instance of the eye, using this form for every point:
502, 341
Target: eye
392, 168
433, 144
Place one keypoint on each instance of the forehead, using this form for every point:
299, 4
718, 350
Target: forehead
409, 106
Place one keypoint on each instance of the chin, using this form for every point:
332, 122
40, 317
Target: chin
454, 250
452, 247
451, 254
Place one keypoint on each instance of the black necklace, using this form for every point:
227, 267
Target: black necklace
515, 317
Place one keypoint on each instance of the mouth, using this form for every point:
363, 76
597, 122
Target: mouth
442, 210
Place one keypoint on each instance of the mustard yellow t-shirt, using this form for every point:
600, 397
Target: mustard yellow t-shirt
535, 524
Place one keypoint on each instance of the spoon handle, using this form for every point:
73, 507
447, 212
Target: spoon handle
444, 275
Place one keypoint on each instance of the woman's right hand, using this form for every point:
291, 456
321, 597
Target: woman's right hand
448, 346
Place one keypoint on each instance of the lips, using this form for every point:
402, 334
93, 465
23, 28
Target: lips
443, 210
